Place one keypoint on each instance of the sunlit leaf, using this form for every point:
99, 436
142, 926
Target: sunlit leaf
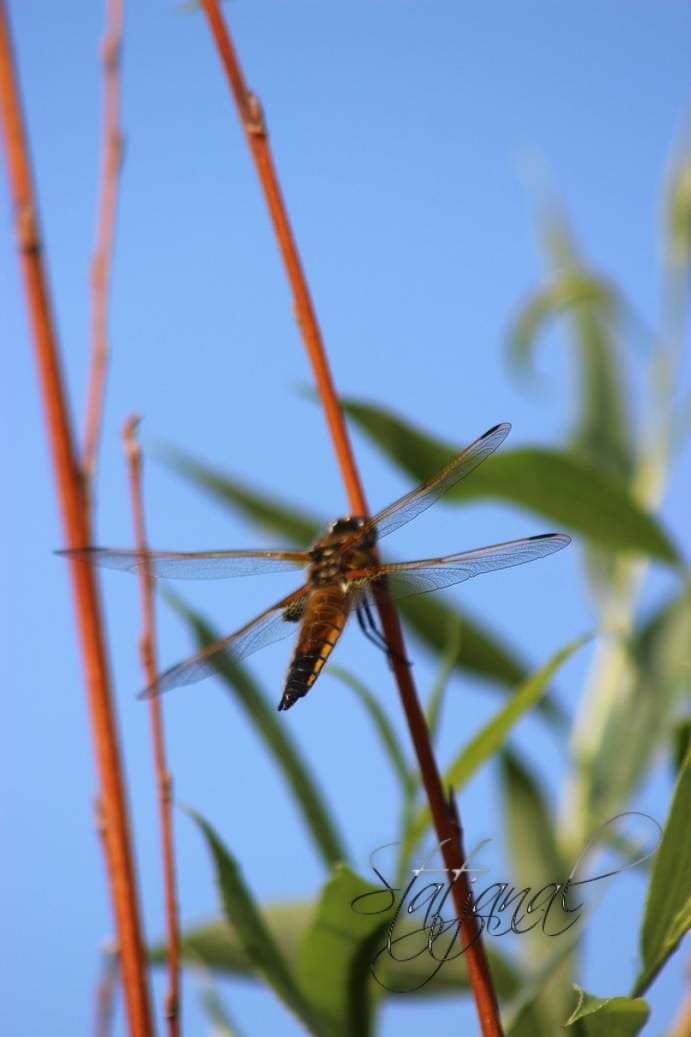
564, 292
336, 954
555, 484
216, 1012
608, 1017
277, 738
218, 945
604, 431
245, 917
679, 214
536, 864
639, 717
520, 1016
491, 737
667, 917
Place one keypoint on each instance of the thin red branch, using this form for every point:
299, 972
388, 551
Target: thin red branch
103, 253
75, 519
163, 777
252, 118
446, 821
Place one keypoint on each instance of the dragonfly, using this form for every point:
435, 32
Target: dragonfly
342, 572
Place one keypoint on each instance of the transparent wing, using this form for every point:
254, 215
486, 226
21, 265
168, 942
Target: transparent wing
192, 565
272, 625
418, 500
429, 574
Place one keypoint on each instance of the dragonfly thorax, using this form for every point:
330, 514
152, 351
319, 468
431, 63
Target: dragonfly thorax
331, 560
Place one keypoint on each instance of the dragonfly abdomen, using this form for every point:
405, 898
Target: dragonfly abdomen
325, 616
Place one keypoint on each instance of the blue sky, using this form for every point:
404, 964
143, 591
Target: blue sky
412, 141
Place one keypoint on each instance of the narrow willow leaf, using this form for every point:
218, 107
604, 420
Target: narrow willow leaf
276, 737
608, 1017
263, 510
441, 683
216, 1011
244, 915
555, 484
521, 1018
565, 291
536, 864
681, 743
381, 723
641, 715
679, 215
604, 433
529, 826
667, 915
218, 945
484, 654
495, 733
336, 954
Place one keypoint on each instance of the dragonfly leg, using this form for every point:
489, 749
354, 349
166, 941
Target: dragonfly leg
372, 632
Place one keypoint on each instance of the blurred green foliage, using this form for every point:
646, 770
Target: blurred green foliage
605, 483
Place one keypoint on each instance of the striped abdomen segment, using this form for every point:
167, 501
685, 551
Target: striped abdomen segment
322, 624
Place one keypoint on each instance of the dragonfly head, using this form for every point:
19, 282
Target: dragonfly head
350, 524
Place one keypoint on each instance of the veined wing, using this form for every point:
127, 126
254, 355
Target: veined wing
429, 574
263, 630
414, 503
192, 565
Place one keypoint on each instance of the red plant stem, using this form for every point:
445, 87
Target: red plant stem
103, 252
252, 119
163, 777
75, 518
445, 818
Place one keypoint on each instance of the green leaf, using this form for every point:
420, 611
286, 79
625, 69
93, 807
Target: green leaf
495, 733
276, 737
218, 945
681, 743
381, 723
604, 432
449, 659
667, 915
557, 485
529, 826
640, 715
608, 1017
571, 288
482, 653
679, 215
243, 914
216, 1011
536, 864
336, 954
521, 1016
263, 510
